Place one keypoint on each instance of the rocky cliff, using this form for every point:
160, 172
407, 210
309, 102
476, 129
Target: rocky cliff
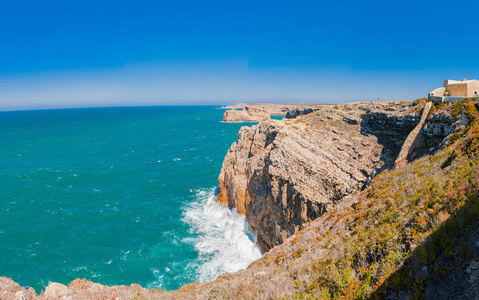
242, 112
282, 174
248, 114
380, 233
295, 112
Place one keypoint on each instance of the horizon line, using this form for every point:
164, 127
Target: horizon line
219, 106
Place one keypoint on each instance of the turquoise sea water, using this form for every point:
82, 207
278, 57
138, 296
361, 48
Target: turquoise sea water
118, 196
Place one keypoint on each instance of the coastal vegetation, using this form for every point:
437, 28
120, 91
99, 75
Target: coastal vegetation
411, 233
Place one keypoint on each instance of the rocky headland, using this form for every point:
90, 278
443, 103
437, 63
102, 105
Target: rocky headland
248, 114
282, 174
256, 112
336, 215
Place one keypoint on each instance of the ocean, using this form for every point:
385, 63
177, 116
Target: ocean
118, 196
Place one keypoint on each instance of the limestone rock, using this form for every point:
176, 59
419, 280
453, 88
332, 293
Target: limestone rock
295, 112
57, 291
20, 296
282, 174
255, 112
11, 290
248, 114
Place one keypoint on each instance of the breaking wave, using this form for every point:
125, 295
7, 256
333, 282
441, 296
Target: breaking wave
224, 242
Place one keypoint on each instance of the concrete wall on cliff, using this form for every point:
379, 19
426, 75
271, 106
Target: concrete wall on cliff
415, 138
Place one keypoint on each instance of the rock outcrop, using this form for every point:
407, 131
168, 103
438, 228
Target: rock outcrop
282, 174
295, 112
440, 125
248, 114
77, 289
242, 112
11, 290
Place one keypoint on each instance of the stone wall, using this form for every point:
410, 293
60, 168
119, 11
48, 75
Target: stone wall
457, 90
415, 139
460, 89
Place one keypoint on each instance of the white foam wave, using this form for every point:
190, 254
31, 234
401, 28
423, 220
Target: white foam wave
224, 243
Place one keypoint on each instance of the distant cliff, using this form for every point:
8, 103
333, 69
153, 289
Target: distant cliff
248, 114
242, 112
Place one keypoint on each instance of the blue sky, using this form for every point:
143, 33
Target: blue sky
102, 53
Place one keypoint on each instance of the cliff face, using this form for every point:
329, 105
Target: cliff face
295, 112
248, 114
282, 174
255, 112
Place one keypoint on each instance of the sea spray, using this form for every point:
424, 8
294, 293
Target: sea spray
101, 193
223, 242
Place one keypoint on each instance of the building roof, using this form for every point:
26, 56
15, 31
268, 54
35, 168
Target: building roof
460, 81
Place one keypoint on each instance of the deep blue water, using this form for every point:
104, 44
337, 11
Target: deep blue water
118, 196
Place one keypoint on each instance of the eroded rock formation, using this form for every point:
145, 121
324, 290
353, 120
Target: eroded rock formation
282, 174
241, 112
295, 112
248, 114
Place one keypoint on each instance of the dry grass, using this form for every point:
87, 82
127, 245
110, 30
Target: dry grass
408, 219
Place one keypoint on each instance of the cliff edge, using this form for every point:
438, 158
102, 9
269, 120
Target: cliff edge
248, 114
283, 174
258, 112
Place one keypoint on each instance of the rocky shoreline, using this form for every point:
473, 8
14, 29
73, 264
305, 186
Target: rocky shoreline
257, 112
297, 181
